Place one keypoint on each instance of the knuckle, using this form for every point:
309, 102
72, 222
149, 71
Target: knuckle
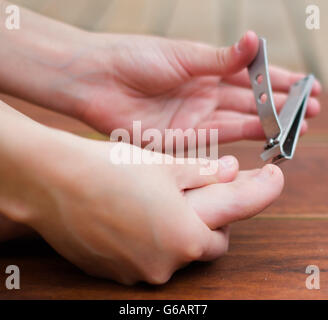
190, 244
158, 276
192, 251
127, 281
221, 57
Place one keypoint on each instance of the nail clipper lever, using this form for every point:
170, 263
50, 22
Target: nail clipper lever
282, 131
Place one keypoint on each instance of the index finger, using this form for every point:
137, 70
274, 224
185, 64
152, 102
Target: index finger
281, 79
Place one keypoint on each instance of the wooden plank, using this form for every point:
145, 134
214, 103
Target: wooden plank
318, 126
267, 260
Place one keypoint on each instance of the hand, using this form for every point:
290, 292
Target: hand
124, 222
110, 80
174, 84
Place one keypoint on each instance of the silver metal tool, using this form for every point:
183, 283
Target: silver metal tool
282, 131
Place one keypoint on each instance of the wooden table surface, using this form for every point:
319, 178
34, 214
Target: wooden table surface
268, 254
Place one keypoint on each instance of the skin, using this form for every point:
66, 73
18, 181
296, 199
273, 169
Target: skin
108, 219
108, 81
185, 85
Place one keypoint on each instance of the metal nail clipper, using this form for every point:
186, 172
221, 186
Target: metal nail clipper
282, 131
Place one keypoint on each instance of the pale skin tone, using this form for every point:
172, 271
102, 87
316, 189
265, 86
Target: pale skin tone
107, 81
128, 223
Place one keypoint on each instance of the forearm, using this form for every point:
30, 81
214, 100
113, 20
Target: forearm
37, 61
10, 186
35, 163
25, 146
14, 165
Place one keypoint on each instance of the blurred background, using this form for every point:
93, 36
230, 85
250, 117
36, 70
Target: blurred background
217, 22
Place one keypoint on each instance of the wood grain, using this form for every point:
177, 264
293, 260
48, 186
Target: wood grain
267, 257
267, 260
268, 254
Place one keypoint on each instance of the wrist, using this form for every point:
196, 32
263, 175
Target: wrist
36, 61
38, 165
15, 162
27, 165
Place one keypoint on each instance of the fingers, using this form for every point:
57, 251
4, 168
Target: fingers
241, 128
220, 204
204, 172
242, 100
235, 126
281, 79
200, 59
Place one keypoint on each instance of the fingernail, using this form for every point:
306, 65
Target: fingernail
317, 86
266, 172
227, 162
240, 45
315, 106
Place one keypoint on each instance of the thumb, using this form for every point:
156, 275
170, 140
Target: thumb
251, 192
199, 59
202, 172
